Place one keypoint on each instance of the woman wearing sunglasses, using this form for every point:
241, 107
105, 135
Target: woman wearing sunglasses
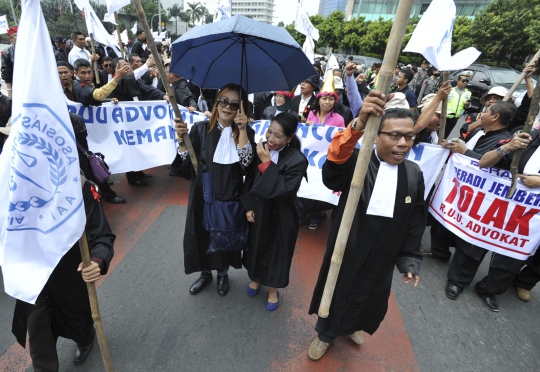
269, 200
224, 147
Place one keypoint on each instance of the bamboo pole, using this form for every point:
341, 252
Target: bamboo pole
444, 110
520, 79
391, 55
533, 112
96, 71
164, 78
120, 43
96, 316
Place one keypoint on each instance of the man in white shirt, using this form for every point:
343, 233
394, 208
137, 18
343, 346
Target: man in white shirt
78, 50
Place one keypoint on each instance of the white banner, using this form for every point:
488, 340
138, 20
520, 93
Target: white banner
113, 6
4, 26
303, 25
41, 204
134, 30
471, 202
432, 38
308, 49
95, 27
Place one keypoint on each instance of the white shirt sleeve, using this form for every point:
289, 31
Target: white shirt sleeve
140, 71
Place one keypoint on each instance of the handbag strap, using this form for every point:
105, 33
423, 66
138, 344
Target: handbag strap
80, 147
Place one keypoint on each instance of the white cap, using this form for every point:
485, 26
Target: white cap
497, 91
398, 101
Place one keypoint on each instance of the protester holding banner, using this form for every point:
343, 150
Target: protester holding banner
283, 104
63, 309
500, 277
427, 126
387, 228
224, 149
269, 201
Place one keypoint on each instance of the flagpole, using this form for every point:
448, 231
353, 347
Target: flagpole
96, 71
94, 305
164, 78
120, 43
391, 55
13, 11
520, 79
444, 110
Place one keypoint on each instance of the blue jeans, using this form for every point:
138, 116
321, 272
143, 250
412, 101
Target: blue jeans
313, 218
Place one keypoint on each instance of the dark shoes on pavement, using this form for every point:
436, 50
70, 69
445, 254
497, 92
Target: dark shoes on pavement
82, 352
222, 284
115, 199
430, 254
452, 291
200, 283
489, 301
138, 183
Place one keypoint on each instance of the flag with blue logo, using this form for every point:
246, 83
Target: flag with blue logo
42, 211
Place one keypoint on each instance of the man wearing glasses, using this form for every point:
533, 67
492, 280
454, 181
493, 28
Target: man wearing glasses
387, 228
458, 100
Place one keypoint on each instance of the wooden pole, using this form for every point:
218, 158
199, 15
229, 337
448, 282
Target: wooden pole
96, 316
120, 43
164, 78
444, 110
96, 71
391, 55
520, 79
533, 112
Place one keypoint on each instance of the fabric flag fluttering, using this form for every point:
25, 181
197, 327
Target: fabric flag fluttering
332, 63
95, 27
42, 211
304, 25
113, 6
3, 25
309, 49
123, 35
134, 29
432, 38
224, 10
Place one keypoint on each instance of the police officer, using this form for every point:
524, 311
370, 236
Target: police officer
458, 100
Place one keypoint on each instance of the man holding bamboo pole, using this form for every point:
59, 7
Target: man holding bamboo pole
387, 227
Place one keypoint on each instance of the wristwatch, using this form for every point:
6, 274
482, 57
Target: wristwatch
501, 152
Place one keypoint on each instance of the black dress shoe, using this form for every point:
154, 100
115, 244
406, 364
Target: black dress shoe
222, 284
200, 283
82, 353
115, 199
146, 175
430, 254
452, 291
489, 301
138, 183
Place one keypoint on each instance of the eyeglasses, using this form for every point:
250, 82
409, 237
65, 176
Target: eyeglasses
224, 102
465, 80
108, 65
396, 136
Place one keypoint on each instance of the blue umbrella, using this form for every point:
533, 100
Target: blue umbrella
258, 56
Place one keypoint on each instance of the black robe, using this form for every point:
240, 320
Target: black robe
228, 185
66, 292
272, 238
375, 245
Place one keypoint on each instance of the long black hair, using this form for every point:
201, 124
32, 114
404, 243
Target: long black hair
289, 124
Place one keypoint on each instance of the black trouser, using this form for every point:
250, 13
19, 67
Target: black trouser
450, 124
41, 338
106, 190
441, 240
463, 267
496, 282
324, 329
134, 176
527, 278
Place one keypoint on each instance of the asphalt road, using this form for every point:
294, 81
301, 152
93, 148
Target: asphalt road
153, 324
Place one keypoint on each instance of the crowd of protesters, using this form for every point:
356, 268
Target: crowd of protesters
253, 186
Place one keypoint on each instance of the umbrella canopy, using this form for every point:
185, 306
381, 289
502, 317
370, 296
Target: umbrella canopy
258, 56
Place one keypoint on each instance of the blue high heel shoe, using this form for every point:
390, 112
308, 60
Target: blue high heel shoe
252, 292
271, 306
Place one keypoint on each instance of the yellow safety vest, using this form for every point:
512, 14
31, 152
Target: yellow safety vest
456, 103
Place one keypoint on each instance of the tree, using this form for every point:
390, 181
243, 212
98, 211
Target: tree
175, 11
281, 24
194, 11
330, 28
353, 31
376, 37
300, 38
461, 38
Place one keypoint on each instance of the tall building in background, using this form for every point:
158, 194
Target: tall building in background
261, 10
328, 6
373, 9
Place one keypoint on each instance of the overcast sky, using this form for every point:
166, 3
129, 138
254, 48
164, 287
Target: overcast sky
285, 10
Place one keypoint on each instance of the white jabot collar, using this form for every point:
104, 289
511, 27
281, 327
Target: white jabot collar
226, 149
383, 198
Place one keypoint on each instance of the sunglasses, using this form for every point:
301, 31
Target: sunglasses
108, 65
224, 102
465, 80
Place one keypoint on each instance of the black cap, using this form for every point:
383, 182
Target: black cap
64, 64
58, 39
378, 64
314, 80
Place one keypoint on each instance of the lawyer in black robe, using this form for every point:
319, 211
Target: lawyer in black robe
271, 195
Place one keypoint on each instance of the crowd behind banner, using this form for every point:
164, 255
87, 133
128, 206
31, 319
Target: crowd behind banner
285, 160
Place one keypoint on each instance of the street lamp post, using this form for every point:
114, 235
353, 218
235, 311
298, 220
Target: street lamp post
152, 20
159, 18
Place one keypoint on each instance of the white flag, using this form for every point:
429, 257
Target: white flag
332, 63
134, 29
304, 25
123, 35
432, 38
113, 6
95, 27
224, 10
42, 211
308, 49
3, 25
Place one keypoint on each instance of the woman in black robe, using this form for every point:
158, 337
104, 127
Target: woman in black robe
283, 104
228, 166
269, 202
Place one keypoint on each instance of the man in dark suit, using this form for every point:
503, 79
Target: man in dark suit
139, 48
304, 102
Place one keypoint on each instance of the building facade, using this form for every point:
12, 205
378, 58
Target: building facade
328, 6
259, 10
371, 10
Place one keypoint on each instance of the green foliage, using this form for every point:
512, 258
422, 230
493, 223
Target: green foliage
462, 34
330, 28
376, 37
